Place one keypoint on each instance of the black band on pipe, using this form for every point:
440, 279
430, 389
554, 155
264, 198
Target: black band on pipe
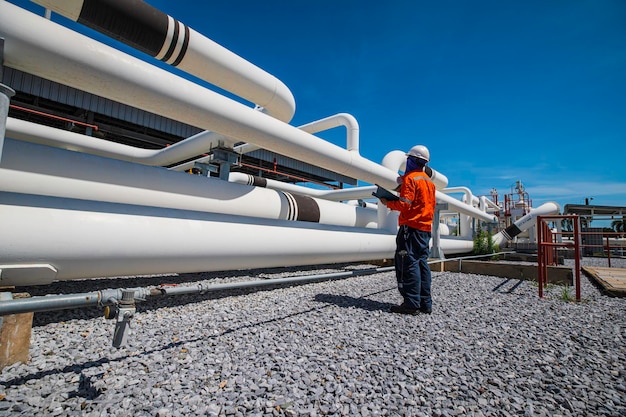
134, 23
183, 50
308, 210
259, 181
511, 231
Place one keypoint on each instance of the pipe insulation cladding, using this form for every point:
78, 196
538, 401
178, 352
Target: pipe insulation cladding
84, 239
53, 52
149, 30
42, 170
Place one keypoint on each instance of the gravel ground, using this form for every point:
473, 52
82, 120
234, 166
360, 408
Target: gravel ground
490, 348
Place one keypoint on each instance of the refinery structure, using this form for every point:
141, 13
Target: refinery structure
112, 166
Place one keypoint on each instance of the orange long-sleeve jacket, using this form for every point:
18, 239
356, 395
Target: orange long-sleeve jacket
417, 201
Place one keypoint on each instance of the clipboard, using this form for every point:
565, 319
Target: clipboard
384, 193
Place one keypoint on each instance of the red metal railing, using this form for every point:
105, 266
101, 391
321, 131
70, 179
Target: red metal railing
547, 245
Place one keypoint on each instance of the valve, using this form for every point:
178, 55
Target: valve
124, 312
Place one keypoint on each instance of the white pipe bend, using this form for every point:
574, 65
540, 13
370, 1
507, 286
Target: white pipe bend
340, 119
203, 57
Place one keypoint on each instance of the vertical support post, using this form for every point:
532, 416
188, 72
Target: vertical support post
5, 94
577, 255
540, 260
436, 251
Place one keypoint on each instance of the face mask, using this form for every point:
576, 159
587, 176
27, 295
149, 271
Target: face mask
412, 165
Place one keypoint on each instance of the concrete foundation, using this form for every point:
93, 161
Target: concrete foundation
559, 275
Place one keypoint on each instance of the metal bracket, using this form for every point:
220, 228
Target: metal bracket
125, 312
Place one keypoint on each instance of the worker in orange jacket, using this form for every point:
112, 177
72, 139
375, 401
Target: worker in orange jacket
417, 209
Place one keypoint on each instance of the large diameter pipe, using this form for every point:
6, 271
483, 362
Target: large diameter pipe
83, 239
35, 169
54, 51
149, 30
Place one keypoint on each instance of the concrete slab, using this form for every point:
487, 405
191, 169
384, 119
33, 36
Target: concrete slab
560, 275
613, 280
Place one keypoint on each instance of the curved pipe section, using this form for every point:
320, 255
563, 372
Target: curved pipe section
54, 51
340, 119
525, 222
147, 29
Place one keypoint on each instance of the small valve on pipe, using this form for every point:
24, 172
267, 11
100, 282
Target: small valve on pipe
125, 312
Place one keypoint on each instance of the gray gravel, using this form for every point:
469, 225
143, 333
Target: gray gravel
490, 348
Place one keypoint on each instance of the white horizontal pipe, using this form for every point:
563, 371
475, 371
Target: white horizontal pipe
84, 239
46, 135
332, 195
461, 207
80, 239
53, 52
203, 57
36, 169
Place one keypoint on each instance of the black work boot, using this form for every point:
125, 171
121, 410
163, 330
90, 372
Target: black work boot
404, 309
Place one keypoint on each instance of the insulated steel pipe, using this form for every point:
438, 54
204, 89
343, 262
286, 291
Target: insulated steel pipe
37, 133
341, 119
77, 239
149, 30
35, 169
343, 194
525, 222
54, 51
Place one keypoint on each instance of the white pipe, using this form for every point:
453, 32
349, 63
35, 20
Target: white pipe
203, 57
82, 239
332, 195
454, 204
35, 169
465, 221
486, 203
53, 52
63, 239
468, 198
340, 119
46, 135
525, 222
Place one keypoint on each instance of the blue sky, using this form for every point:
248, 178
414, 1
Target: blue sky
499, 91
